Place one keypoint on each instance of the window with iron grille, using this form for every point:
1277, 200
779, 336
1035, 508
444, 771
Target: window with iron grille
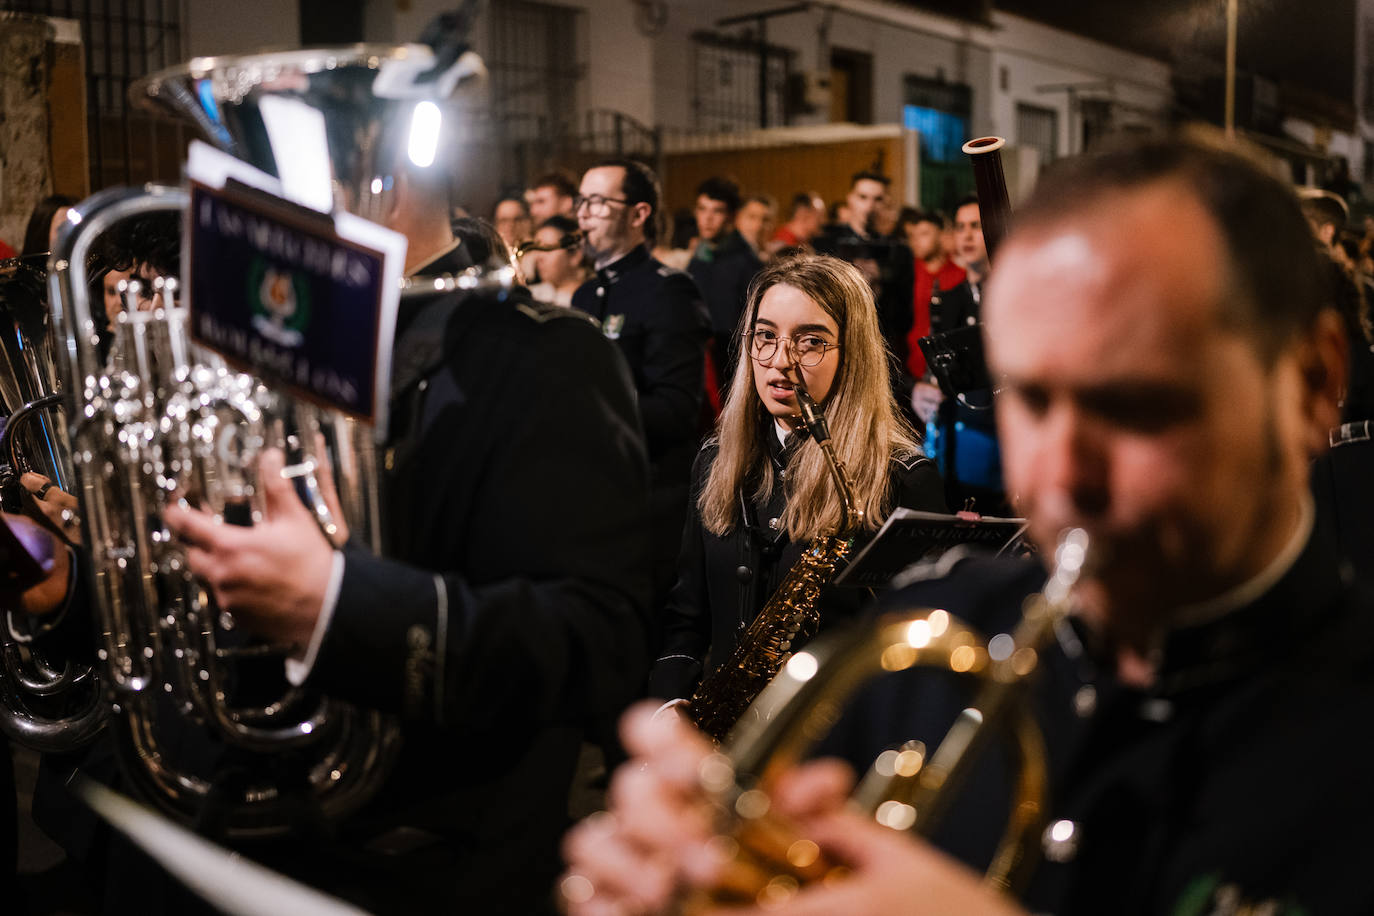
536, 68
738, 84
1038, 128
1096, 115
122, 42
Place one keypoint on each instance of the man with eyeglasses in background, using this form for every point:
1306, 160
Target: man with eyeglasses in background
656, 316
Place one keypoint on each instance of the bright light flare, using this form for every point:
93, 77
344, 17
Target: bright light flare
424, 134
803, 666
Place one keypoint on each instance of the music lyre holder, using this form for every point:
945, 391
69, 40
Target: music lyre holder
957, 361
909, 536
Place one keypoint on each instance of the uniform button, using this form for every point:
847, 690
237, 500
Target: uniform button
1085, 701
1060, 841
744, 574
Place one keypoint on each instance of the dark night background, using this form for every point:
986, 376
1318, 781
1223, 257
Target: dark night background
1305, 44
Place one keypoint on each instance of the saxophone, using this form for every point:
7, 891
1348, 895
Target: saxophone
791, 614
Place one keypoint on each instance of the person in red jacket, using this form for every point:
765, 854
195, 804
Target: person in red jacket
923, 230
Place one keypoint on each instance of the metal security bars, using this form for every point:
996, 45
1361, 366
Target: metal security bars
536, 67
1038, 128
726, 90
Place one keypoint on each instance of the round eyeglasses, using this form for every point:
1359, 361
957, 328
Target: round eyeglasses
808, 349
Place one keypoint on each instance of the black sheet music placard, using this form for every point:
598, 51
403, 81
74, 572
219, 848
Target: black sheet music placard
909, 535
305, 299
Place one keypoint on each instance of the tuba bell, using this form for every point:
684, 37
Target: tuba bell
155, 419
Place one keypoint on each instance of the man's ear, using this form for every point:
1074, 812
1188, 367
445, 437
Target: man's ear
639, 214
1326, 232
1323, 359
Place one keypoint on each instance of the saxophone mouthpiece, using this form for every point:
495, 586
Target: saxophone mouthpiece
811, 414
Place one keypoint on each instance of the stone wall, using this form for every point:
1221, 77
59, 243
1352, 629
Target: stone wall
25, 172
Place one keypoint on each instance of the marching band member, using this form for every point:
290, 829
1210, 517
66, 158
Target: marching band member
761, 490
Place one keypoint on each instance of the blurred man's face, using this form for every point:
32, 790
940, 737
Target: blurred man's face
755, 221
924, 239
1130, 407
949, 246
713, 219
114, 302
884, 219
969, 247
545, 202
512, 223
863, 197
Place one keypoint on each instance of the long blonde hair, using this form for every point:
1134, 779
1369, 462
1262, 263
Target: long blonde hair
866, 428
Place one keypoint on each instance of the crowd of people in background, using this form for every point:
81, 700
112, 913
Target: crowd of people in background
915, 261
925, 268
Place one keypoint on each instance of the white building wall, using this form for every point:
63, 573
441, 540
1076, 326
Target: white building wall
900, 40
1036, 58
904, 41
649, 76
621, 58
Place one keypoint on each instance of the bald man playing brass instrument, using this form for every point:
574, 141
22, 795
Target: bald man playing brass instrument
1168, 366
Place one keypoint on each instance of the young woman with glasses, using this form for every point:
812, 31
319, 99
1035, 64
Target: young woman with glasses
761, 489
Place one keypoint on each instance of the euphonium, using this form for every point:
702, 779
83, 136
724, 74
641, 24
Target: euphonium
157, 419
906, 788
47, 703
792, 612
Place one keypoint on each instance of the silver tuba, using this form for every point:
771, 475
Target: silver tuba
156, 418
